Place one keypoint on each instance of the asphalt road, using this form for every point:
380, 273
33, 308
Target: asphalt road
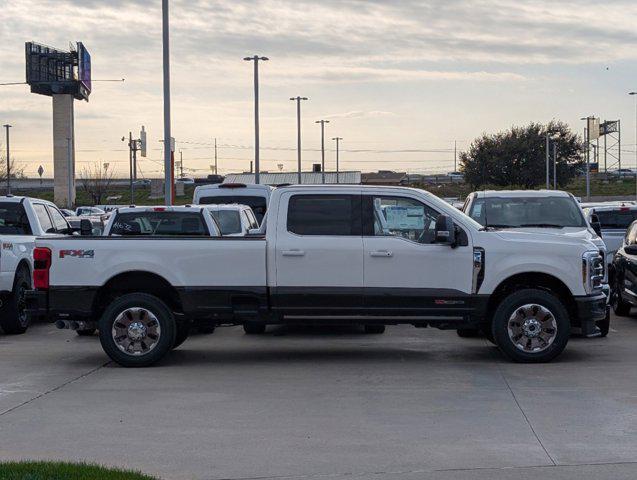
326, 403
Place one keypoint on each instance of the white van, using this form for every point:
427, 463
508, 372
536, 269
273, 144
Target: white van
254, 196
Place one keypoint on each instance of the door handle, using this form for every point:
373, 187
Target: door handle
293, 253
381, 253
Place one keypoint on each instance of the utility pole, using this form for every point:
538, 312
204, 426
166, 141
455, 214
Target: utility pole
216, 172
322, 122
130, 162
338, 139
547, 161
255, 59
7, 127
635, 93
298, 134
168, 187
181, 163
455, 156
554, 165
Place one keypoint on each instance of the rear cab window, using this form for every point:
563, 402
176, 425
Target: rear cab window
188, 224
619, 219
229, 221
333, 215
43, 218
258, 204
13, 219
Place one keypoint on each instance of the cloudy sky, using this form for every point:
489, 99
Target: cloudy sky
399, 80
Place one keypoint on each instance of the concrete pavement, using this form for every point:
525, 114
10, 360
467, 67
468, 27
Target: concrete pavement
314, 403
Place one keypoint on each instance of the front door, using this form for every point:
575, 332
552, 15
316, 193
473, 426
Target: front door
406, 272
319, 255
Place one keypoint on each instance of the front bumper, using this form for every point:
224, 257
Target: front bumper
590, 309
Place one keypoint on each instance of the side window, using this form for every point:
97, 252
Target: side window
404, 217
252, 218
43, 217
59, 222
631, 236
333, 215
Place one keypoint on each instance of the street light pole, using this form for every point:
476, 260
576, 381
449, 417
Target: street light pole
255, 59
554, 165
216, 172
337, 139
168, 187
7, 127
322, 122
587, 142
635, 93
298, 134
547, 161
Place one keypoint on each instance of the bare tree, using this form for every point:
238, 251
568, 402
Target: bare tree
96, 182
16, 170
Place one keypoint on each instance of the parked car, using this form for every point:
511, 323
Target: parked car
550, 212
622, 172
611, 220
624, 293
89, 211
142, 182
372, 255
67, 213
254, 196
233, 220
158, 221
185, 180
22, 219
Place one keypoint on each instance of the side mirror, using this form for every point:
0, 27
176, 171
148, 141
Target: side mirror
631, 249
86, 227
596, 225
445, 230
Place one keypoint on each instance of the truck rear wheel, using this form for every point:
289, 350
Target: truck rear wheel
13, 316
137, 330
531, 326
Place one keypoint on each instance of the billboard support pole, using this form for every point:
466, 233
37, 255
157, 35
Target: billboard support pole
168, 187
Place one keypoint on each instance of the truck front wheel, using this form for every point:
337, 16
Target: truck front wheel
137, 330
531, 326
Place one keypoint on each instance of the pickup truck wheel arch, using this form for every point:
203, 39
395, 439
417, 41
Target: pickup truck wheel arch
136, 282
535, 280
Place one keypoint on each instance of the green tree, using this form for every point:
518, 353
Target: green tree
518, 156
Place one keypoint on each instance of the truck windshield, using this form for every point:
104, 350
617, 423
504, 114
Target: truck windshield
159, 224
520, 212
229, 221
13, 219
258, 204
617, 219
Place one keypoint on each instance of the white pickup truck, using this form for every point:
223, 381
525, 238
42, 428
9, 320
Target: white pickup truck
364, 255
22, 219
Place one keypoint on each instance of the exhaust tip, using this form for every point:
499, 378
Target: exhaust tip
61, 324
74, 326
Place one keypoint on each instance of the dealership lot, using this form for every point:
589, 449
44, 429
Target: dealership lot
311, 403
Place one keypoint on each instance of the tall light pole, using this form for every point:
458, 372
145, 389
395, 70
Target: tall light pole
547, 160
298, 133
338, 140
255, 59
7, 127
216, 172
168, 187
554, 165
587, 140
633, 94
322, 122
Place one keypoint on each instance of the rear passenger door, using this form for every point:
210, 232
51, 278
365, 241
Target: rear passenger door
319, 254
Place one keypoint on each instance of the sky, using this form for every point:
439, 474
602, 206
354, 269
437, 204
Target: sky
400, 81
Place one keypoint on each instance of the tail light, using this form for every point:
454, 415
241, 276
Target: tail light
41, 266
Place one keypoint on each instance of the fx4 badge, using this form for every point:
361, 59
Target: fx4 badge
77, 253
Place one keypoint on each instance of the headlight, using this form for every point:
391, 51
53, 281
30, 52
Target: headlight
592, 271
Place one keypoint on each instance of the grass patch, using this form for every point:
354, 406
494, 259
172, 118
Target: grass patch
64, 471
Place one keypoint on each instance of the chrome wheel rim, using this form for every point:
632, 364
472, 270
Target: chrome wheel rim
532, 328
22, 305
136, 331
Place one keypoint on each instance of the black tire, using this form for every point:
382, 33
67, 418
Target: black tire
620, 307
165, 320
13, 317
508, 307
468, 332
374, 329
253, 328
183, 330
87, 332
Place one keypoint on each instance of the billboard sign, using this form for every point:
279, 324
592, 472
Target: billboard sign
84, 69
593, 128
